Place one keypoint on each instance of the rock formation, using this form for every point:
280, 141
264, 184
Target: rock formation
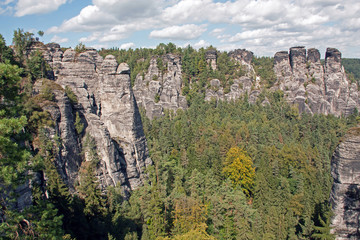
108, 110
313, 87
345, 193
246, 84
160, 89
244, 58
211, 57
240, 87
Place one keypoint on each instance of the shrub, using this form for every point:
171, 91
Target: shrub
71, 95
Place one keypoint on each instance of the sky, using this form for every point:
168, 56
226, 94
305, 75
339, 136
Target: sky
261, 26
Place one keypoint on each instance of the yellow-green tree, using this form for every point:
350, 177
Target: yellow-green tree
238, 167
190, 217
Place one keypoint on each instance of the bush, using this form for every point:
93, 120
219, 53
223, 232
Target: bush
71, 95
79, 126
157, 98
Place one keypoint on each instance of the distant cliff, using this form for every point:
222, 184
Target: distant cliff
160, 89
305, 81
313, 87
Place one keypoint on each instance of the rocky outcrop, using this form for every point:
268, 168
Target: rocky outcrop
211, 56
248, 84
108, 111
160, 89
313, 87
240, 87
345, 193
244, 58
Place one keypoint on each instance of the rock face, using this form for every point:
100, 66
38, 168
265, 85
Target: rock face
158, 89
345, 193
108, 110
244, 58
211, 57
313, 87
248, 84
240, 87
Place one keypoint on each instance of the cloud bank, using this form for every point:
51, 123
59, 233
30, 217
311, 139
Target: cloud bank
262, 26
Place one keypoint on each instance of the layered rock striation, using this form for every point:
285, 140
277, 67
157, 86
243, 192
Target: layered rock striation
345, 193
107, 109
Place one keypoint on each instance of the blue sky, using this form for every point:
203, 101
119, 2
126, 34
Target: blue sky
261, 26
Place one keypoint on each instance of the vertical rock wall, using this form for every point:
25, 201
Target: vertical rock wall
109, 112
345, 193
314, 88
158, 90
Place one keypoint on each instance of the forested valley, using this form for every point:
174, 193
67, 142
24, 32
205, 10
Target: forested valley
221, 170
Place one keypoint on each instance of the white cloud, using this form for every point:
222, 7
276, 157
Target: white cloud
100, 46
264, 25
7, 9
28, 7
217, 31
58, 39
186, 11
130, 9
91, 18
184, 32
127, 45
6, 2
112, 37
93, 37
201, 44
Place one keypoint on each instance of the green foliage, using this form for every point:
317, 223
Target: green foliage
37, 66
14, 158
89, 190
22, 41
46, 93
239, 168
80, 48
71, 95
79, 126
9, 84
89, 187
40, 33
291, 153
264, 67
157, 98
6, 53
160, 65
352, 66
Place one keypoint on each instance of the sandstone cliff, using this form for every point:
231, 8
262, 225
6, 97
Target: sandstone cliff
305, 81
108, 111
313, 87
345, 193
248, 84
160, 89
